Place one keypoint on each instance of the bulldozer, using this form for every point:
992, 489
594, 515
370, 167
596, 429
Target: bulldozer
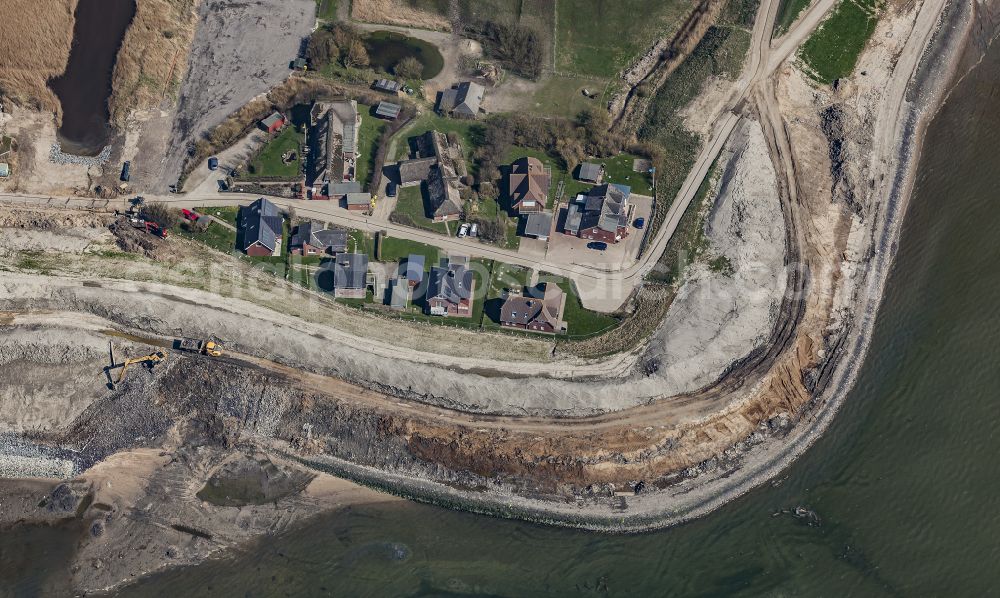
151, 359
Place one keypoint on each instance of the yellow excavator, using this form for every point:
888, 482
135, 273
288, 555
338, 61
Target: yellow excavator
151, 359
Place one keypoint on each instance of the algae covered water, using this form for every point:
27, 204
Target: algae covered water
903, 484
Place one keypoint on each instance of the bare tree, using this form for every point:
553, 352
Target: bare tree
356, 54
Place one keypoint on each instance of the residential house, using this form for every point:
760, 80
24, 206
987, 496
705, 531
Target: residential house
273, 123
463, 100
445, 197
450, 291
539, 310
538, 225
387, 110
259, 229
591, 173
414, 269
528, 185
332, 143
346, 276
309, 239
358, 202
602, 215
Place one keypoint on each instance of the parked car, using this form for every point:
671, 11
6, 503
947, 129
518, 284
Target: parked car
190, 214
639, 223
598, 245
213, 163
463, 230
126, 171
390, 189
474, 230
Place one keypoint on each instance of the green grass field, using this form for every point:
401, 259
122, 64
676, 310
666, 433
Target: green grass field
411, 211
600, 37
580, 321
833, 49
368, 138
394, 250
469, 134
326, 10
788, 11
268, 163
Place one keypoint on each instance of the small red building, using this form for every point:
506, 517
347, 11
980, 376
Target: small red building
273, 123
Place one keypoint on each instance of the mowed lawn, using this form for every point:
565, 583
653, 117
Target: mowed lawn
368, 138
599, 37
269, 164
411, 210
832, 51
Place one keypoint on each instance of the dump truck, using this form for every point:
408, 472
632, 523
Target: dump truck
199, 346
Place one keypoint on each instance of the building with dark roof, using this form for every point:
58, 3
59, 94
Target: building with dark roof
463, 100
332, 143
601, 216
337, 191
387, 110
346, 276
591, 173
388, 86
414, 172
414, 269
538, 225
445, 198
450, 291
259, 229
528, 185
309, 239
539, 309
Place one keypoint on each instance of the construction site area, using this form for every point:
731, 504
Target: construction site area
171, 377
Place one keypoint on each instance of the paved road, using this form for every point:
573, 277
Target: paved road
602, 288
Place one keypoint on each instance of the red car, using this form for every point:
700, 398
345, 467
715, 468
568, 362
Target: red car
190, 215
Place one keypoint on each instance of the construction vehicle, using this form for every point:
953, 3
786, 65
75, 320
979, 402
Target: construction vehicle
152, 359
209, 348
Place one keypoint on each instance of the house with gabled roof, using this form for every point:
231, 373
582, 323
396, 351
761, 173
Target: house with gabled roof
310, 239
463, 100
259, 229
346, 276
450, 290
539, 309
445, 197
600, 215
528, 185
332, 143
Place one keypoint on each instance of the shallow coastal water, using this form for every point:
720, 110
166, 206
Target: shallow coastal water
83, 90
904, 482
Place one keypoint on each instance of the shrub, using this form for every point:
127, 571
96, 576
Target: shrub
517, 46
161, 214
409, 68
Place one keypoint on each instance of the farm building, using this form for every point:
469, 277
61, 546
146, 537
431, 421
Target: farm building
273, 123
415, 171
528, 183
358, 202
333, 143
445, 198
388, 86
462, 101
338, 191
388, 110
259, 229
591, 173
539, 309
